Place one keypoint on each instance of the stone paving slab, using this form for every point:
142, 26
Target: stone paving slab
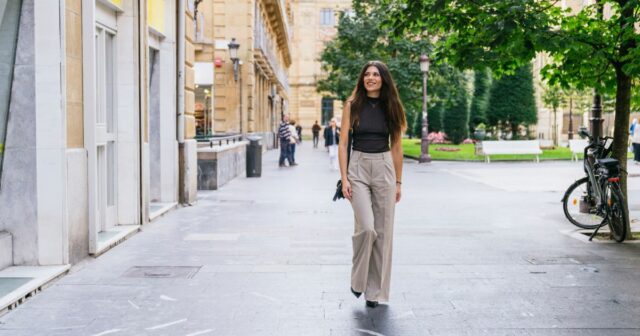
478, 250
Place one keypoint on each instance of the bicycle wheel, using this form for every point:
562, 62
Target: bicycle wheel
618, 218
580, 207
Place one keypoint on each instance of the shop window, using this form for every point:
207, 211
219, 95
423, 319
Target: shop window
9, 23
203, 110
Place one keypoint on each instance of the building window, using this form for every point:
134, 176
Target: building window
106, 104
203, 110
105, 78
327, 110
350, 13
326, 17
9, 23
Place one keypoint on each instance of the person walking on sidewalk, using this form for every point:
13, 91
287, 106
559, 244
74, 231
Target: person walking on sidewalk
284, 135
372, 180
293, 140
315, 129
331, 141
635, 142
299, 132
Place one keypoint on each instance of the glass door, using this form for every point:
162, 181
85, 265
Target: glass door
105, 129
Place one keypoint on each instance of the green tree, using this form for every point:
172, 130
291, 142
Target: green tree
361, 38
436, 113
456, 115
481, 89
512, 101
553, 97
416, 125
588, 49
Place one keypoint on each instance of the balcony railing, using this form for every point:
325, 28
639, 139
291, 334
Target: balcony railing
265, 43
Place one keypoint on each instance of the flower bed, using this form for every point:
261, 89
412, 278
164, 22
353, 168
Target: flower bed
448, 149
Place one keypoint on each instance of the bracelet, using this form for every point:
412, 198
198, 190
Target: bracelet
398, 182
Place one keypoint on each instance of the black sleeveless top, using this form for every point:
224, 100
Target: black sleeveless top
371, 134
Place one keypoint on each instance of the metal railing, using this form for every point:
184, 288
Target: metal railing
219, 139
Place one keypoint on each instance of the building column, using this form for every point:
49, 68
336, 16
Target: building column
33, 195
188, 147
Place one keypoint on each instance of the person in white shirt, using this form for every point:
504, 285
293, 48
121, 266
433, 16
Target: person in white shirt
331, 139
295, 139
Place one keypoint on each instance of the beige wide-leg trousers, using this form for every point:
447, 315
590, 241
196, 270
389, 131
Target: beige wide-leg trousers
373, 183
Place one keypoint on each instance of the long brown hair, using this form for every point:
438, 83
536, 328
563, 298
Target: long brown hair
389, 97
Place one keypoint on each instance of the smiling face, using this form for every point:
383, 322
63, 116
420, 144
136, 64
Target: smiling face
372, 81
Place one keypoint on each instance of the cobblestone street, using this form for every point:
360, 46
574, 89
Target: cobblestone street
479, 249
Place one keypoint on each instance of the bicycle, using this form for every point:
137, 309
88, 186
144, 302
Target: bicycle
596, 200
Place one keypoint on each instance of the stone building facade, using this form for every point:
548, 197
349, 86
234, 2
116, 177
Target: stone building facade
253, 100
99, 134
314, 24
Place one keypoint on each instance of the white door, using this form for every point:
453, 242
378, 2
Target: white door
105, 128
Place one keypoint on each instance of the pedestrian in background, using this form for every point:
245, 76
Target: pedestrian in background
284, 134
315, 130
635, 141
299, 132
331, 141
373, 178
293, 140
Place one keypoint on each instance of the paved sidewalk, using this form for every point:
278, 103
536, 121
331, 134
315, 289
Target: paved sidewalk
478, 250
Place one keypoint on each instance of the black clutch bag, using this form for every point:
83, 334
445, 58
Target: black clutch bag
338, 194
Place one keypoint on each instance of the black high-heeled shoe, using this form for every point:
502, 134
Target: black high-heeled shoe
356, 294
372, 304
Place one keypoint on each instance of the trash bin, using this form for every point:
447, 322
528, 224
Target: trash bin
254, 156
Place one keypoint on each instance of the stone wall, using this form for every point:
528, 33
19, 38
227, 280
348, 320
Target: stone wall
18, 193
77, 211
221, 164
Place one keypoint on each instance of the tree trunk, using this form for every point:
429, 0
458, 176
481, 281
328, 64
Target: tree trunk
621, 130
555, 126
623, 97
515, 134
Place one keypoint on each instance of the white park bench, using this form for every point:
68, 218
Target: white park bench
577, 147
511, 147
546, 143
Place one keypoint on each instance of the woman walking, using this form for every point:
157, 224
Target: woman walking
372, 179
331, 140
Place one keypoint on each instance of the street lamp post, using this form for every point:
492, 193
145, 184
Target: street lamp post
571, 117
424, 143
233, 55
596, 115
596, 109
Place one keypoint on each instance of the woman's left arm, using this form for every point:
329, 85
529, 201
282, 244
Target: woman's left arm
397, 155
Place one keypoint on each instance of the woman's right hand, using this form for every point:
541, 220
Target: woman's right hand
346, 189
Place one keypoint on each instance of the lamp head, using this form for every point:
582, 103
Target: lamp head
233, 49
424, 63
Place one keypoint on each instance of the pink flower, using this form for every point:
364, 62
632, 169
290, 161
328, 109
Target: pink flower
437, 137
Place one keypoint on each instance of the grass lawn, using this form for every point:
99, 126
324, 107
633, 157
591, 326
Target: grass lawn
466, 153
